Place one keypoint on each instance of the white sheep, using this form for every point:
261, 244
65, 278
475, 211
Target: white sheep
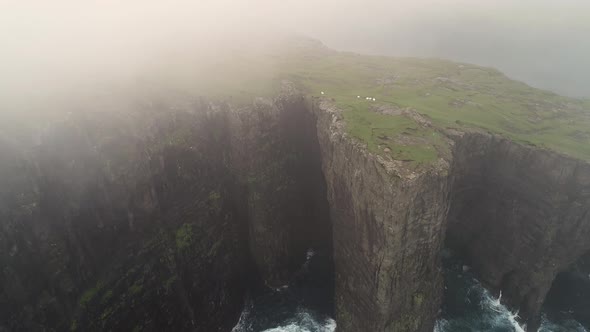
322, 92
357, 97
373, 99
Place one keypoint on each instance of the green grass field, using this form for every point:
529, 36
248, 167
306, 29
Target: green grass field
452, 95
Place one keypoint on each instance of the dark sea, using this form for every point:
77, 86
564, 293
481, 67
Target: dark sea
304, 305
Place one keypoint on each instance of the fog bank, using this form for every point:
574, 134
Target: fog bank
59, 47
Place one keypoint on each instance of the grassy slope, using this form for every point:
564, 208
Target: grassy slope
451, 94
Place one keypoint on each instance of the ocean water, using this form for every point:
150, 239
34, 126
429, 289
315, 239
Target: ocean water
304, 305
302, 320
468, 306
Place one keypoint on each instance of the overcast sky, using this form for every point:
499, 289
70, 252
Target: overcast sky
64, 43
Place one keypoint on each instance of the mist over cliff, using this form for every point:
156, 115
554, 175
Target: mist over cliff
186, 166
68, 46
538, 42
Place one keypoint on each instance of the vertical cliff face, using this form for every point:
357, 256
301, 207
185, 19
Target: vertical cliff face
261, 157
161, 219
388, 227
519, 215
277, 159
109, 225
151, 220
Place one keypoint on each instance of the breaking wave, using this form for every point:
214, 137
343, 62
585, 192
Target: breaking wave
485, 313
305, 322
469, 306
243, 324
301, 306
302, 321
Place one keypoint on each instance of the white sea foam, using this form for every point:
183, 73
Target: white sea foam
504, 313
440, 325
497, 314
302, 320
243, 322
305, 322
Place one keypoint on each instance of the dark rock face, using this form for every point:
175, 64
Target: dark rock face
520, 215
570, 291
517, 213
277, 159
113, 224
388, 230
161, 219
150, 221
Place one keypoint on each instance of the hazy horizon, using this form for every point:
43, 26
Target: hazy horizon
65, 45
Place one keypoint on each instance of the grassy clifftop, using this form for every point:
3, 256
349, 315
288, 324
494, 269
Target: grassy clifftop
449, 94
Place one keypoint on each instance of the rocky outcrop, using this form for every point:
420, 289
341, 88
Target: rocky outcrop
519, 214
388, 228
